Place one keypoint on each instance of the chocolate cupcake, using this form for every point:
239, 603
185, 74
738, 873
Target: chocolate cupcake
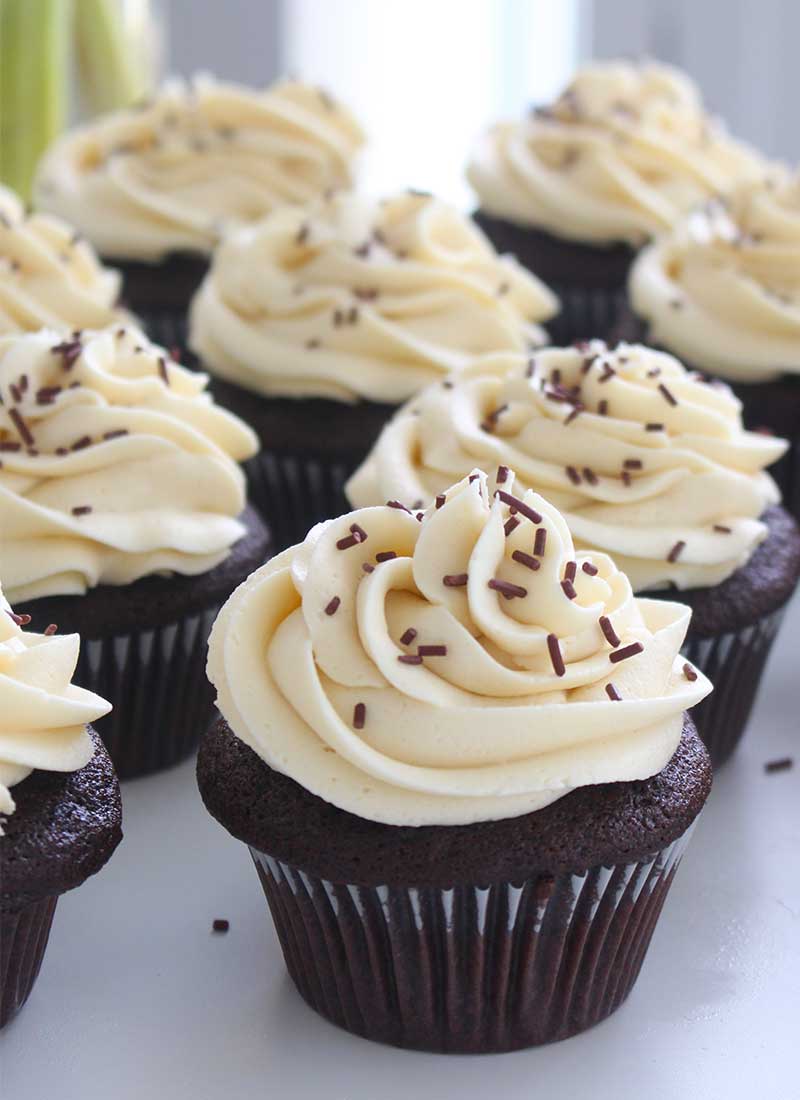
153, 187
122, 516
722, 290
50, 276
458, 752
60, 807
317, 323
576, 188
646, 462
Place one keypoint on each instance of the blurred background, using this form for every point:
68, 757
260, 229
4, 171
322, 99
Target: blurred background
424, 76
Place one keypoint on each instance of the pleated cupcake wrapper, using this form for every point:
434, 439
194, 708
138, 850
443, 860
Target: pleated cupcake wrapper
156, 679
471, 968
585, 315
23, 939
294, 491
734, 664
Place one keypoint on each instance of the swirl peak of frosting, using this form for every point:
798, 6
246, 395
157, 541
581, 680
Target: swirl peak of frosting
354, 298
723, 288
114, 464
618, 156
203, 155
50, 276
43, 716
458, 665
647, 461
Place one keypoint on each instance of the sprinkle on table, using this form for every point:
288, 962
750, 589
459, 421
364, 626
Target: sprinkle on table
784, 764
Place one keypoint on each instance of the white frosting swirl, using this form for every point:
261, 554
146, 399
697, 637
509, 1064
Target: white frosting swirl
677, 505
49, 276
173, 174
484, 725
43, 716
618, 157
114, 464
723, 288
358, 299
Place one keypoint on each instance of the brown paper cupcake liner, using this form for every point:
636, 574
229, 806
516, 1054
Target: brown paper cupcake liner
23, 938
473, 969
734, 663
156, 678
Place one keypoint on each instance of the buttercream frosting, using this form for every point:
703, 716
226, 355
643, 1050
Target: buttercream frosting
50, 276
355, 298
621, 153
114, 464
173, 173
645, 460
43, 716
723, 288
417, 669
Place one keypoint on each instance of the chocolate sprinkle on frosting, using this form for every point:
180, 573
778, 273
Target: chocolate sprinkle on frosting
722, 529
50, 630
573, 475
632, 464
667, 394
455, 580
333, 606
410, 659
432, 650
589, 568
609, 632
386, 555
440, 500
359, 716
676, 551
689, 672
409, 636
627, 651
511, 524
612, 693
654, 427
22, 428
20, 620
569, 589
528, 560
397, 504
507, 589
539, 542
519, 506
555, 655
502, 475
82, 510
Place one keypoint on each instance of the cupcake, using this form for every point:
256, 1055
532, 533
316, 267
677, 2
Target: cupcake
318, 322
647, 463
123, 519
60, 807
153, 187
576, 188
50, 276
458, 751
722, 290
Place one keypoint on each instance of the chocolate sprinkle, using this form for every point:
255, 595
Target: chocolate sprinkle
511, 524
689, 672
569, 589
612, 693
333, 606
367, 567
386, 555
409, 636
20, 620
602, 408
653, 427
784, 764
346, 542
507, 589
609, 632
82, 443
573, 475
667, 394
539, 542
722, 529
676, 551
587, 567
409, 659
455, 580
162, 369
519, 505
359, 716
220, 925
502, 475
555, 655
116, 434
590, 476
440, 500
397, 504
632, 464
22, 428
50, 630
358, 533
82, 510
432, 650
627, 651
528, 560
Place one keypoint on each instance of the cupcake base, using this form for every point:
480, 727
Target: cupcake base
309, 450
65, 827
589, 281
732, 631
478, 938
167, 286
143, 647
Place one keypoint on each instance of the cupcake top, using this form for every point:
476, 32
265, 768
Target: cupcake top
622, 152
170, 175
355, 298
43, 716
50, 276
114, 464
459, 665
723, 288
646, 460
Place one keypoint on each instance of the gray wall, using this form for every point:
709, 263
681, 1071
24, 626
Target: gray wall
235, 39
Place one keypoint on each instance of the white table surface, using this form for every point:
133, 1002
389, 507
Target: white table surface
138, 999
